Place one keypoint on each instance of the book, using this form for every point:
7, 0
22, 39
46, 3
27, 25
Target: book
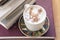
10, 13
9, 7
2, 2
10, 19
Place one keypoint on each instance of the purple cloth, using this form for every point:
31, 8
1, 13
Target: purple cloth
14, 31
47, 4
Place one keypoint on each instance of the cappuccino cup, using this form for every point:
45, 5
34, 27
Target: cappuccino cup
34, 17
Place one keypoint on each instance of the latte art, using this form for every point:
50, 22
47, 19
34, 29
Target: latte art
33, 14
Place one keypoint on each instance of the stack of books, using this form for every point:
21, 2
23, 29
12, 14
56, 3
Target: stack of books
11, 10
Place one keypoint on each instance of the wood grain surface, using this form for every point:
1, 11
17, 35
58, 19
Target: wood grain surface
56, 13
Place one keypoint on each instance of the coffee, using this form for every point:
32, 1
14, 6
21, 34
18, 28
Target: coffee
33, 14
34, 17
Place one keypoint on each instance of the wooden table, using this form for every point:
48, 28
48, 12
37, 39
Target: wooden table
56, 10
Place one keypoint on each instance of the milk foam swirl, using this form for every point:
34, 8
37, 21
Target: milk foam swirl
34, 14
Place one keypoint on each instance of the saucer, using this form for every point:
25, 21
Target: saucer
26, 32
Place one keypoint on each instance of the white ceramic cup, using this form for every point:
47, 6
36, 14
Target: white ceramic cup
37, 26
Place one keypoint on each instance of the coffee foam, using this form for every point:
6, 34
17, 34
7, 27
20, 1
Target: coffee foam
35, 11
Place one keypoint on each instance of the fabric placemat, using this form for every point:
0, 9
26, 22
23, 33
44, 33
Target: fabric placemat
14, 30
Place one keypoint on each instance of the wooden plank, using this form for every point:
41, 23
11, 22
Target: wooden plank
56, 13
